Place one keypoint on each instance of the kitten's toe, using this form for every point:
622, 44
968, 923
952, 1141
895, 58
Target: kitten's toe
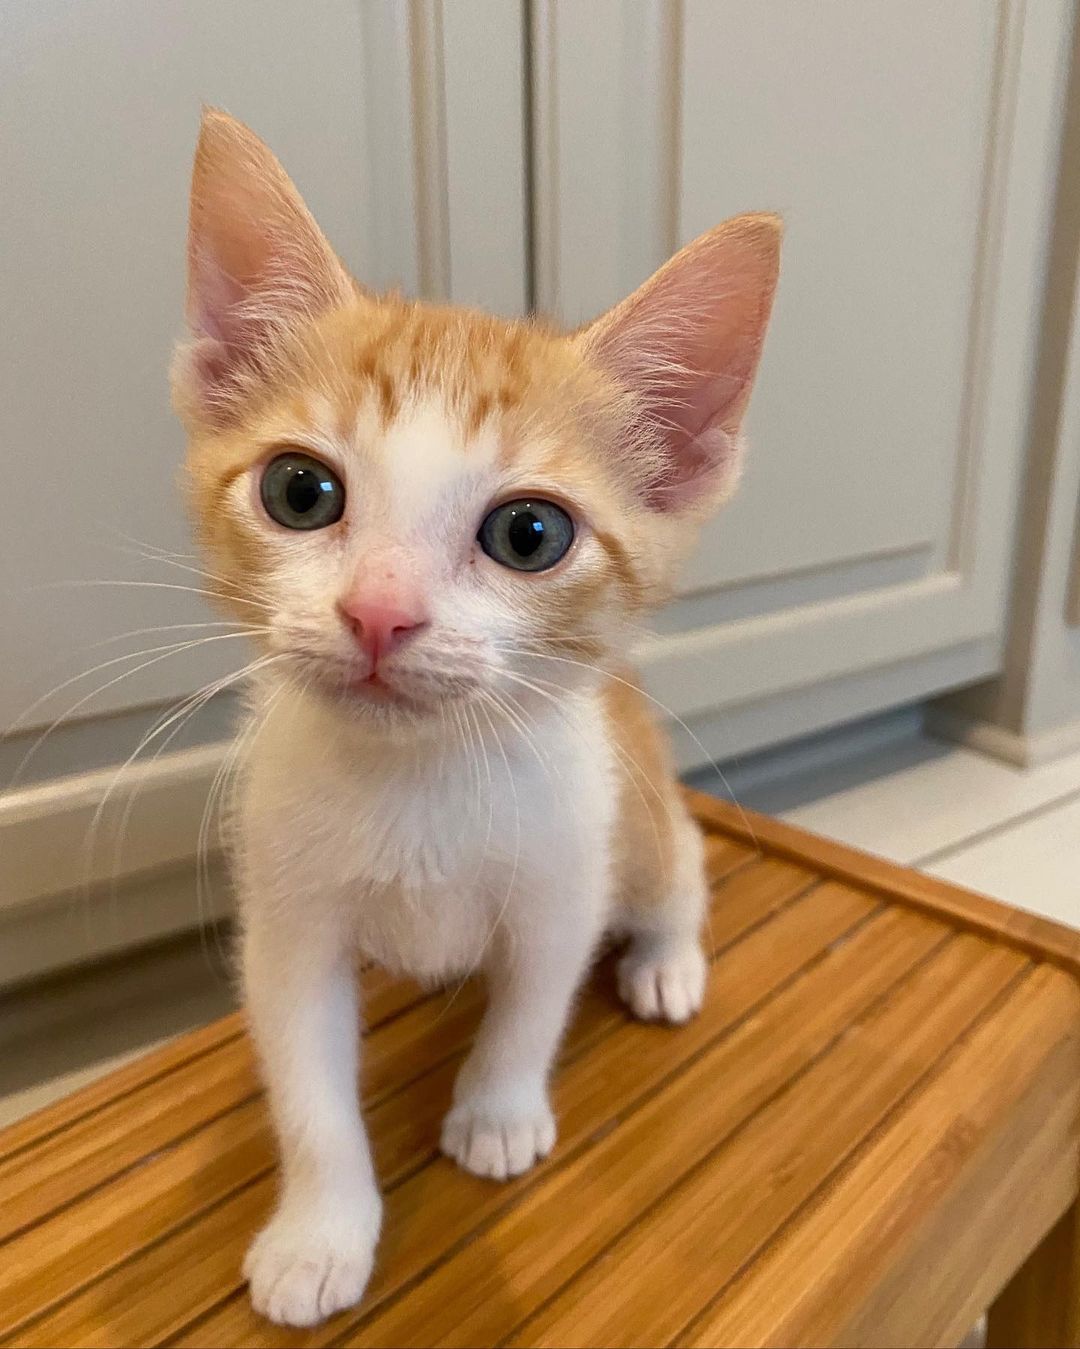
301, 1272
663, 982
496, 1139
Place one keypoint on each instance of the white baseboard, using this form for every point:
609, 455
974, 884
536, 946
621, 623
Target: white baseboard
46, 830
1025, 751
62, 905
61, 931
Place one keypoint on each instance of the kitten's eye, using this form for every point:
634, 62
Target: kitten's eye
527, 535
300, 493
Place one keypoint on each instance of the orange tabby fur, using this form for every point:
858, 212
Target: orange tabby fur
355, 823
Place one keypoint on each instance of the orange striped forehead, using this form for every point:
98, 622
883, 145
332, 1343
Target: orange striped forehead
430, 417
379, 380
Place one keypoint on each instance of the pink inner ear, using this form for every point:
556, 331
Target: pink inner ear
702, 447
258, 264
703, 462
214, 296
687, 343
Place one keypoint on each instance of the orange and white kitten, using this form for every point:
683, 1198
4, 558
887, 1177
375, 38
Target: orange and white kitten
444, 526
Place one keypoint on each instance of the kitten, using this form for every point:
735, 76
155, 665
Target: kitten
442, 527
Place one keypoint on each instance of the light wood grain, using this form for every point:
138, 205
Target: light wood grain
61, 1165
234, 1148
138, 1075
716, 1217
829, 1279
1039, 936
440, 1206
482, 1292
882, 1095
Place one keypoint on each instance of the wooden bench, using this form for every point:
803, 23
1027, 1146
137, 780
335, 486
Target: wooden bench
869, 1136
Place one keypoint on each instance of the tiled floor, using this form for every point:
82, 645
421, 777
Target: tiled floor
887, 788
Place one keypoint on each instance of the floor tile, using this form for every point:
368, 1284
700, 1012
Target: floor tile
1034, 864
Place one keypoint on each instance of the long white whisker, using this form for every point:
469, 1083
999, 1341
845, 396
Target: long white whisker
171, 649
149, 585
608, 674
517, 839
242, 745
477, 961
624, 756
518, 725
246, 629
172, 561
177, 718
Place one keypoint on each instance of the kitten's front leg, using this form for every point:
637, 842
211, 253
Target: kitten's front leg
501, 1121
314, 1256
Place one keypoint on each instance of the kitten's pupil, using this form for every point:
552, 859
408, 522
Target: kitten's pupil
526, 533
304, 491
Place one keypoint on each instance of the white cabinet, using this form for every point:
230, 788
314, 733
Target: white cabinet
552, 152
911, 147
402, 125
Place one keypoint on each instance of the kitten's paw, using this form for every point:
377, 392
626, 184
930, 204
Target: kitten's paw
663, 982
492, 1135
301, 1270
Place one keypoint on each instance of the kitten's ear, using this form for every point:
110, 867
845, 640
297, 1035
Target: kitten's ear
257, 262
686, 345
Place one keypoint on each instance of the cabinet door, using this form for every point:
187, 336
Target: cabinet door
415, 172
911, 148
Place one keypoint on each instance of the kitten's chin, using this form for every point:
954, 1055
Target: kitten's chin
378, 700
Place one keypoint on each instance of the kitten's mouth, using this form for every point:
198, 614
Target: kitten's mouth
383, 692
375, 687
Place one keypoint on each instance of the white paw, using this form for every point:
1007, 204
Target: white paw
663, 982
303, 1270
492, 1135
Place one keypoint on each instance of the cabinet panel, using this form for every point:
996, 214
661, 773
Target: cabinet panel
911, 148
408, 149
100, 105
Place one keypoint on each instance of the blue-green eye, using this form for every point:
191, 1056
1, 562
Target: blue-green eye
527, 535
300, 493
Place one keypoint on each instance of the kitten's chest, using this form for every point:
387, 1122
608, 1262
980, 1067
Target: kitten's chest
427, 853
430, 866
332, 816
419, 831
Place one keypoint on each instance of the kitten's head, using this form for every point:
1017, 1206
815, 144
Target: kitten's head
426, 504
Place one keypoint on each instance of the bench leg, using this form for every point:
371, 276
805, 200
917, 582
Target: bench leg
1040, 1307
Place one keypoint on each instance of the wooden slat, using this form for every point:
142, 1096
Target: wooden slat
1009, 1098
137, 1075
235, 1148
440, 1205
717, 1194
384, 995
74, 1150
1039, 937
58, 1166
870, 1104
481, 1292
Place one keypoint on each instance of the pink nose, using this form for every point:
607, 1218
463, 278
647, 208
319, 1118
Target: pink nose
380, 627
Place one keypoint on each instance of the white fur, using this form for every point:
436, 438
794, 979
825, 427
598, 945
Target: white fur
457, 812
408, 854
471, 833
